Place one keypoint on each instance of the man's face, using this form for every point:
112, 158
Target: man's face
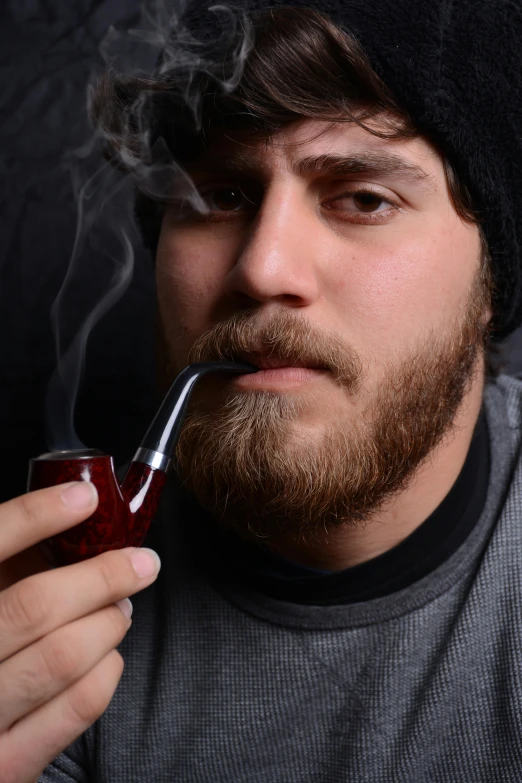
329, 248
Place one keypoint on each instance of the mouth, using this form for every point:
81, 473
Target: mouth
277, 372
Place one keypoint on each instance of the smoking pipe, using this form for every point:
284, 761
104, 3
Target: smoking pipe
124, 513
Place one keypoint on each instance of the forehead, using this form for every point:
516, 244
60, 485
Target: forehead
313, 147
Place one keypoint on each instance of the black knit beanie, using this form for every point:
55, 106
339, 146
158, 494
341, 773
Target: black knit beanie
455, 66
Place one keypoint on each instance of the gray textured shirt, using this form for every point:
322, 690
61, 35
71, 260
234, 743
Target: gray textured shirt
421, 686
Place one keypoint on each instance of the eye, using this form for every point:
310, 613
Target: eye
361, 201
368, 202
224, 199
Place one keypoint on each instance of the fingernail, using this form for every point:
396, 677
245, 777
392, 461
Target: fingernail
145, 562
79, 495
126, 607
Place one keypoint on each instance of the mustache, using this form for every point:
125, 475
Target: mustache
285, 336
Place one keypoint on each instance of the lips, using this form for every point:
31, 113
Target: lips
271, 362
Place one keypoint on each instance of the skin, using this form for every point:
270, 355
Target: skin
379, 272
58, 630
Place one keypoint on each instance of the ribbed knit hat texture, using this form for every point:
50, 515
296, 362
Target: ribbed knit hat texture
455, 66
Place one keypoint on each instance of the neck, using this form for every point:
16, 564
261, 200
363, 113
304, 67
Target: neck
344, 547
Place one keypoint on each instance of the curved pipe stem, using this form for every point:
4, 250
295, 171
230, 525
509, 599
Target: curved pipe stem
160, 439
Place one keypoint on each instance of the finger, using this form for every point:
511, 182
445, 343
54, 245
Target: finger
35, 740
28, 519
40, 672
41, 603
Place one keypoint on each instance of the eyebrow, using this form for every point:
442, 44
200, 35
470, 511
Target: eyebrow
372, 163
335, 165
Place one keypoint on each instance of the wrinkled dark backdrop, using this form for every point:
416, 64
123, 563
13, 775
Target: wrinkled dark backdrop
48, 49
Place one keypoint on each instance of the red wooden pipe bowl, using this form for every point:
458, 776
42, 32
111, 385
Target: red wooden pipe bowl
123, 515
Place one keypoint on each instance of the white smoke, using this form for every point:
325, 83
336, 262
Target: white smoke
159, 46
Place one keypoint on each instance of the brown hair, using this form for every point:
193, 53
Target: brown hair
300, 65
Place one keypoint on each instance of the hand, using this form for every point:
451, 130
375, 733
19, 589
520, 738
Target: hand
58, 629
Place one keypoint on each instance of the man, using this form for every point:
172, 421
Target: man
340, 590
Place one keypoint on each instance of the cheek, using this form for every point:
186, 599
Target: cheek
189, 278
391, 291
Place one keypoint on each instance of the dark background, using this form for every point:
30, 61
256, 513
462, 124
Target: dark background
48, 49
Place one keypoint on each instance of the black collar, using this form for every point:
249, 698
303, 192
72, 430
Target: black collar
230, 560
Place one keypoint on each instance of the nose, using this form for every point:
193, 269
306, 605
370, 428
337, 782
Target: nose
276, 261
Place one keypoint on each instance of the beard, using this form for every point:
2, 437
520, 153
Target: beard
247, 458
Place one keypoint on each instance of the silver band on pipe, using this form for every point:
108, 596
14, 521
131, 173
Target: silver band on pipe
155, 459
